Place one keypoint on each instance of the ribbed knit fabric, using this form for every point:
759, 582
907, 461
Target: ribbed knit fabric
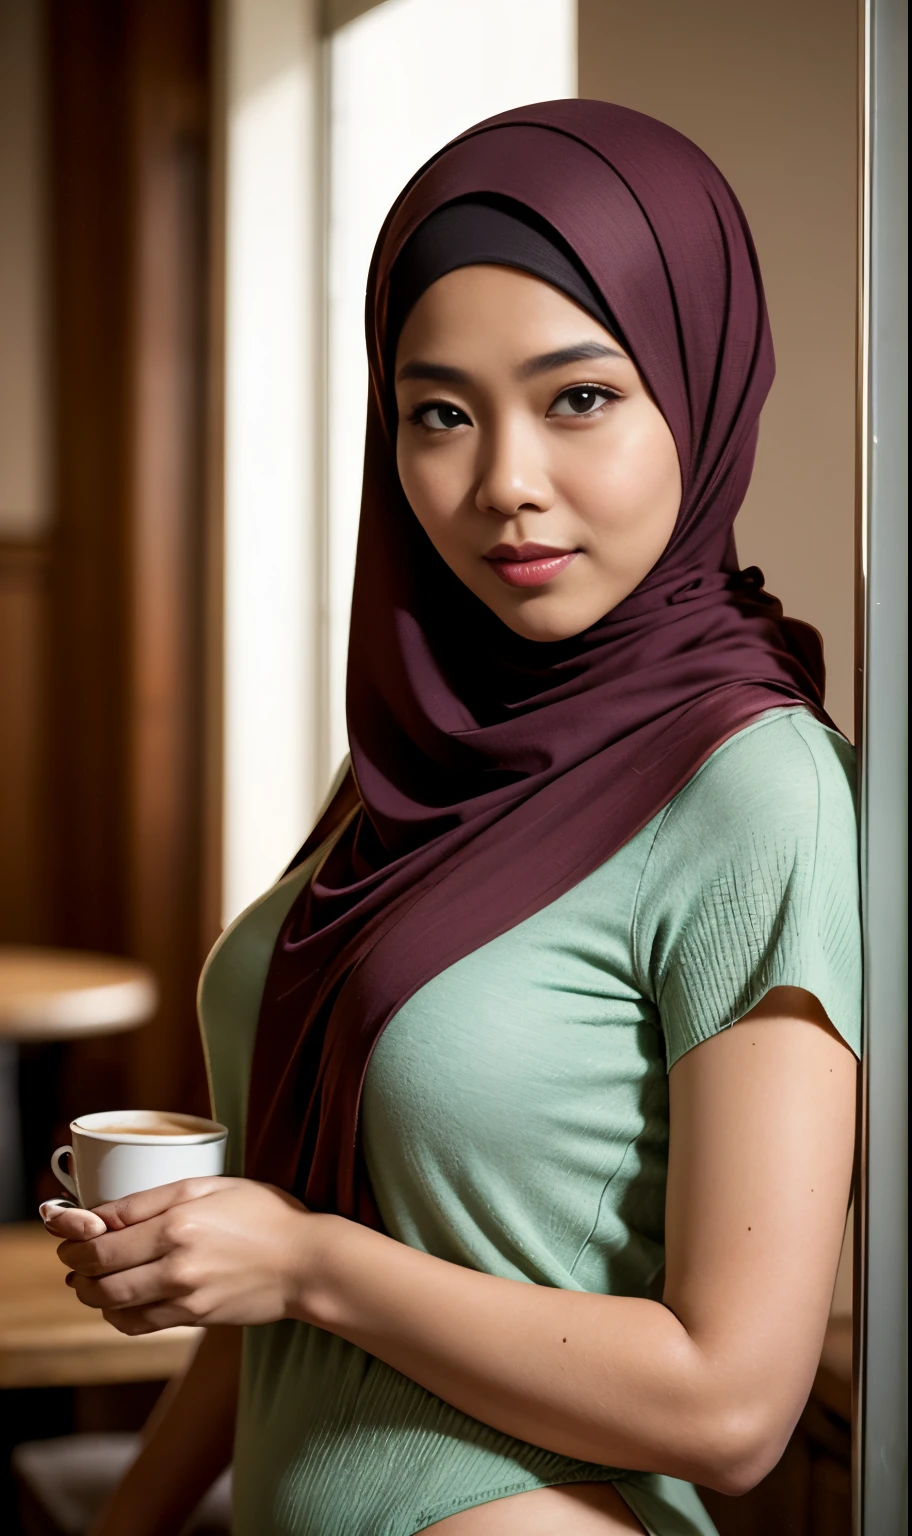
515, 1119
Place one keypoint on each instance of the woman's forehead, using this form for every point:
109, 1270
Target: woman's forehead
487, 302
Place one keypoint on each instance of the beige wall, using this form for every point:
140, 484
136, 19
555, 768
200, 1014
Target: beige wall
769, 92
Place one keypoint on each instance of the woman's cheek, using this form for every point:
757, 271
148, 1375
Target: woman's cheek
425, 486
446, 478
437, 498
441, 526
629, 501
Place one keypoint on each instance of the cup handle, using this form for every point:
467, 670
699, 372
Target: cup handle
63, 1173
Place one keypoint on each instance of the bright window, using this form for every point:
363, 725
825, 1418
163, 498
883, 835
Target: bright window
321, 134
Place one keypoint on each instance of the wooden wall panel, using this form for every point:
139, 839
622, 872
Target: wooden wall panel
166, 449
25, 915
89, 617
130, 94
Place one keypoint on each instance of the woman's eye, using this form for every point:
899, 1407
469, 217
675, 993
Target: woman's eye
582, 400
438, 417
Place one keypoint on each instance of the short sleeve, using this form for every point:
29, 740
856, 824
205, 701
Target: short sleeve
752, 882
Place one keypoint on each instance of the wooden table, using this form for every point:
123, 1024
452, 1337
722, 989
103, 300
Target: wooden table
49, 1339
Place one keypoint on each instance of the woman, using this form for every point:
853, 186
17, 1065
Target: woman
539, 1059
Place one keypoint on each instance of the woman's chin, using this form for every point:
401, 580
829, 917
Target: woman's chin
546, 622
554, 611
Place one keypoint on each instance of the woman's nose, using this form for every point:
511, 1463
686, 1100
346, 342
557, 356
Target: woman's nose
513, 474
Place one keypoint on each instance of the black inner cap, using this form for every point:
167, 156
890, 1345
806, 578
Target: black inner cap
487, 230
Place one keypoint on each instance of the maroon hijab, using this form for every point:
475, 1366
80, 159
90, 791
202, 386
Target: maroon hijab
492, 773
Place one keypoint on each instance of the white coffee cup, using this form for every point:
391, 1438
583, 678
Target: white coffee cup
119, 1152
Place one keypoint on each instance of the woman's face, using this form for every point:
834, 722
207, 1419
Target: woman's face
530, 450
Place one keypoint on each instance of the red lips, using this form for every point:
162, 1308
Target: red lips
529, 565
522, 552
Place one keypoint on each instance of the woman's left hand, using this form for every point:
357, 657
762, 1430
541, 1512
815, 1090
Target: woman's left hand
201, 1251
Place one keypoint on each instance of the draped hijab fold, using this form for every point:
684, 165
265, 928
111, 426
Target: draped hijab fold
490, 773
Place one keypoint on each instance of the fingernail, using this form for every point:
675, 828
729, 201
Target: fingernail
51, 1208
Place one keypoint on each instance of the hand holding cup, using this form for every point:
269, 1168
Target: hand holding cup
199, 1251
119, 1152
161, 1238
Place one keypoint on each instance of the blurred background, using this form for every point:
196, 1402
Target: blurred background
189, 195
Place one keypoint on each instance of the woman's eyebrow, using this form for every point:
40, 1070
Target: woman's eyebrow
442, 373
439, 372
577, 354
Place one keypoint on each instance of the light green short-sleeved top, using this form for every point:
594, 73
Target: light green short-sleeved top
515, 1119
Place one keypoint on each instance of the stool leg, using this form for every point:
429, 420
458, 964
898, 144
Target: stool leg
12, 1179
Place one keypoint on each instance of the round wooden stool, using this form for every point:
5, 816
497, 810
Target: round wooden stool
60, 994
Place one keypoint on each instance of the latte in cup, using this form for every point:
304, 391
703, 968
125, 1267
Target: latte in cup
119, 1153
163, 1125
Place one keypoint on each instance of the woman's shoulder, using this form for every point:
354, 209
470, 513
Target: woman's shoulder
783, 776
773, 808
752, 882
